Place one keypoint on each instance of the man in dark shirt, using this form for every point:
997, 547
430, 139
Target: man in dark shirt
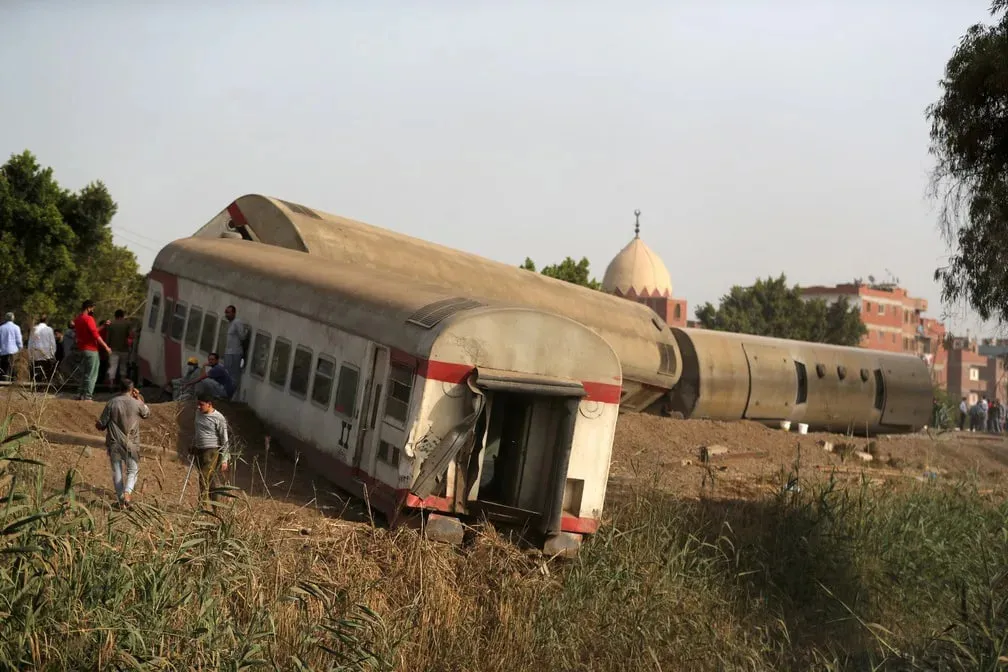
118, 339
214, 381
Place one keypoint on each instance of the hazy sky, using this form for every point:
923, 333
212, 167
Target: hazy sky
756, 137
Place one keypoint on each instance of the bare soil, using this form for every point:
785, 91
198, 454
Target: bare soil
649, 452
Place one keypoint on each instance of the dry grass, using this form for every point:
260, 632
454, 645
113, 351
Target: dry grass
824, 577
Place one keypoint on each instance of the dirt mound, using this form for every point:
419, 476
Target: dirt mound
667, 453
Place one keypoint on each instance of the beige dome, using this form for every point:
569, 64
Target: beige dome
637, 271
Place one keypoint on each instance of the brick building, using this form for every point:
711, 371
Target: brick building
976, 370
894, 320
638, 274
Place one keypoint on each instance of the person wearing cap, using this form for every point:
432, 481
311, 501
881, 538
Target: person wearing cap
180, 386
88, 342
210, 447
120, 420
215, 380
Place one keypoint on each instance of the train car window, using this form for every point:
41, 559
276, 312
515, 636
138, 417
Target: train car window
166, 316
192, 333
281, 362
260, 354
155, 311
178, 321
207, 339
222, 338
400, 387
879, 390
346, 390
301, 372
388, 453
802, 396
322, 386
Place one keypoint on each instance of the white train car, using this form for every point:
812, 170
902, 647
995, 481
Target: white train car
408, 395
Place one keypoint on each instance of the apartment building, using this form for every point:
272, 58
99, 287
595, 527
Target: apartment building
894, 321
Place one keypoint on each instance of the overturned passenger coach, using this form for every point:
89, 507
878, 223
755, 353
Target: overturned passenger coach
402, 392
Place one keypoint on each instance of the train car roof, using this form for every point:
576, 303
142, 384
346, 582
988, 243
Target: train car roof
795, 346
399, 312
278, 222
646, 345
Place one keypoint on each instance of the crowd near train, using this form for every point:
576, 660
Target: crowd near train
427, 378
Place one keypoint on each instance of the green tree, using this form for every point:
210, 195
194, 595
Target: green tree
969, 140
771, 308
568, 270
56, 246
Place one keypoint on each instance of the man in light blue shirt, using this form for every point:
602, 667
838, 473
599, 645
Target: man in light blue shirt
10, 345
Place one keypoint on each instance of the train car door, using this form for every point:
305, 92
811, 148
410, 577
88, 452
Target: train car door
377, 371
904, 388
773, 383
389, 396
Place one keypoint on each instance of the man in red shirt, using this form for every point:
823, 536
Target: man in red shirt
88, 342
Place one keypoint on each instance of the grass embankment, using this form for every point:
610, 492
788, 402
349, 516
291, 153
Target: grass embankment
825, 578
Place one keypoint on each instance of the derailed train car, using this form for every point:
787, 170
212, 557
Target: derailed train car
701, 374
391, 392
828, 387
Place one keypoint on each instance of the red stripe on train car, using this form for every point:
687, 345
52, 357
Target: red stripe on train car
449, 372
237, 216
567, 523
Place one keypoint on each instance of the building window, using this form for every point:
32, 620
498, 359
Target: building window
677, 313
974, 374
301, 372
881, 309
346, 391
894, 338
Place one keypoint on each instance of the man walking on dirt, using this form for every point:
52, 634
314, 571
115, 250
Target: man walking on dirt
88, 342
236, 347
121, 423
210, 446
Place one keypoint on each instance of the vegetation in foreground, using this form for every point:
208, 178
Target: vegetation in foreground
824, 577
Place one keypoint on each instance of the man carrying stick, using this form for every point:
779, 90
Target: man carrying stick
210, 447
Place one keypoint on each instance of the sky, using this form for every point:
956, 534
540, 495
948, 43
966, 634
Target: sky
756, 137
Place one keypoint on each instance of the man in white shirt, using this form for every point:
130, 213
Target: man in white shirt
236, 347
42, 352
10, 345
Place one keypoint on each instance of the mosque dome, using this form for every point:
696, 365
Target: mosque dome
637, 271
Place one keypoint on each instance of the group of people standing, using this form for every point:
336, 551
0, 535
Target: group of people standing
983, 416
84, 349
